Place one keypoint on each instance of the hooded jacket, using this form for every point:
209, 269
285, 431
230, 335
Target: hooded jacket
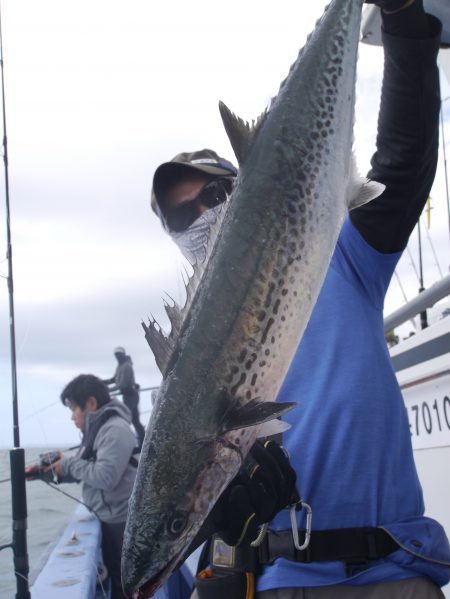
124, 377
107, 476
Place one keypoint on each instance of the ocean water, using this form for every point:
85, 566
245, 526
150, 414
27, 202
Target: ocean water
48, 514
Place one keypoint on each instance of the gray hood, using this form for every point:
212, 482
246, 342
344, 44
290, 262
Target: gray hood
115, 405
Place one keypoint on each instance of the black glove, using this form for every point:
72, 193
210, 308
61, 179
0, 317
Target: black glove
388, 5
37, 472
263, 486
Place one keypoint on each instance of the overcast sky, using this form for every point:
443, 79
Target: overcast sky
98, 94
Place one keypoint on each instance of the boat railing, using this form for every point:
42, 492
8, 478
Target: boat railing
426, 299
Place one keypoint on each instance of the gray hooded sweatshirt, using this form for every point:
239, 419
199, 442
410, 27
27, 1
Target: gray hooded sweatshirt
108, 480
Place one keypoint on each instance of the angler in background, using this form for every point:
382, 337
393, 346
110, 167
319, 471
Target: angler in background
124, 381
349, 441
104, 464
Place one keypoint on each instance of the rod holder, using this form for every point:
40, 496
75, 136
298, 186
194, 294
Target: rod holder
19, 524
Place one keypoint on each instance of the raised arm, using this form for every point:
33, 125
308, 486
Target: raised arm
408, 130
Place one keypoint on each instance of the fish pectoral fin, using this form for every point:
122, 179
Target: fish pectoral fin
240, 133
254, 413
272, 428
363, 190
368, 191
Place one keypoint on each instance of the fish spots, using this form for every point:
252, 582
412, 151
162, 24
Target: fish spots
265, 334
242, 356
270, 292
251, 361
240, 382
254, 379
276, 306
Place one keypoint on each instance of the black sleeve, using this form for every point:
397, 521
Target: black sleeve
407, 141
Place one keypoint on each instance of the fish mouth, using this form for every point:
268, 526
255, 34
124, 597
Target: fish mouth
149, 588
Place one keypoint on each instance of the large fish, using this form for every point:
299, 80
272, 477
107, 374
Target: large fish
231, 345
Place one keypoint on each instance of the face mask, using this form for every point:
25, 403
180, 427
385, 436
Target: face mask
193, 241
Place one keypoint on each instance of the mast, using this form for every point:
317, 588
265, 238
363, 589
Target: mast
445, 160
16, 455
423, 315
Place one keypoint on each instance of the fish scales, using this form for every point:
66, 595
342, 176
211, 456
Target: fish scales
296, 182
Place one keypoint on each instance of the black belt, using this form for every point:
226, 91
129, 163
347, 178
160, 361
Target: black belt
354, 546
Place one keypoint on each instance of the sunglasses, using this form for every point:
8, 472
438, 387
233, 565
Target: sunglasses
212, 194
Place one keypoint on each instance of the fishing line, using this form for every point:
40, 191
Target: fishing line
445, 159
413, 264
6, 546
40, 410
405, 298
434, 253
411, 320
3, 538
21, 575
99, 580
55, 487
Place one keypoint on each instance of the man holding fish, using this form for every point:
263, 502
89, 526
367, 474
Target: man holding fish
349, 441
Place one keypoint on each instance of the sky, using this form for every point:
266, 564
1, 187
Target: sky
98, 94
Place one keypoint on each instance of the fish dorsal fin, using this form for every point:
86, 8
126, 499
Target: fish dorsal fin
240, 133
164, 346
362, 190
175, 314
253, 413
161, 346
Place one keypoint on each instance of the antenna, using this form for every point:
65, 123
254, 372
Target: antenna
16, 455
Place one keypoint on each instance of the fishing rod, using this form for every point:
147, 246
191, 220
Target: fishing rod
16, 455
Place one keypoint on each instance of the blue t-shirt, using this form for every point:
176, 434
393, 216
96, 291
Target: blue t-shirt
350, 441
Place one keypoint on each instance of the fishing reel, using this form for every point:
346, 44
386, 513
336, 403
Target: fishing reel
45, 460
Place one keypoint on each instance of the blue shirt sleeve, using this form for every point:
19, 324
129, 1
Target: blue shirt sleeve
363, 266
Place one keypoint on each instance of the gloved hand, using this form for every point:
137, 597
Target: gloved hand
37, 472
390, 6
264, 485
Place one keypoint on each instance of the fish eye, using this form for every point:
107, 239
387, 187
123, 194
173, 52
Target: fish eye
177, 524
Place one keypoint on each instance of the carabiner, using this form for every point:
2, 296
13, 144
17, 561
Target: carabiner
295, 527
